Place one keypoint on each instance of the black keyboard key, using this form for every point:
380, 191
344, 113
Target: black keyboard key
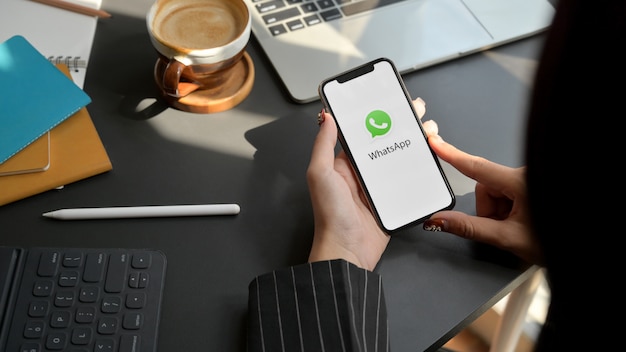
89, 294
309, 7
48, 264
94, 267
111, 304
108, 325
82, 336
56, 341
269, 6
43, 288
325, 4
295, 25
104, 345
130, 343
72, 259
133, 280
86, 299
85, 315
281, 15
60, 319
135, 300
132, 321
330, 15
141, 260
116, 272
278, 29
144, 279
64, 299
365, 5
138, 280
34, 329
38, 309
312, 20
68, 278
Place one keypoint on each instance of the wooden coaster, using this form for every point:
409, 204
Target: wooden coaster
205, 101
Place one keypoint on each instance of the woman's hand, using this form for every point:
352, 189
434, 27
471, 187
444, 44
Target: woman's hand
344, 225
502, 218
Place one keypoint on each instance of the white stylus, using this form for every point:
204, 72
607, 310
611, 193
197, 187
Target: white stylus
143, 212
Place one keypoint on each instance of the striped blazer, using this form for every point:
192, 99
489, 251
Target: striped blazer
321, 306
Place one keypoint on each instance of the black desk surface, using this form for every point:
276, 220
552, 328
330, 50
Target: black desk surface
256, 155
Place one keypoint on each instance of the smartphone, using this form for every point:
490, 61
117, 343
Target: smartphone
387, 146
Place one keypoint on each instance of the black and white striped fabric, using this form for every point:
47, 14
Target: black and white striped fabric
321, 306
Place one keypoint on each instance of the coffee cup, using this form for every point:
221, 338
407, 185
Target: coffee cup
197, 41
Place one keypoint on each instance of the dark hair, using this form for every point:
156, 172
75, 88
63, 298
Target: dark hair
578, 86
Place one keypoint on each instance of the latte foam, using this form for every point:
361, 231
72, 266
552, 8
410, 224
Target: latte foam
200, 25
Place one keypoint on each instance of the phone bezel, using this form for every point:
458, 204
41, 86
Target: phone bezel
359, 71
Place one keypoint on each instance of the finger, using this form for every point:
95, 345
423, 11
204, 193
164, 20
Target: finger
475, 228
430, 127
323, 153
511, 235
474, 167
420, 107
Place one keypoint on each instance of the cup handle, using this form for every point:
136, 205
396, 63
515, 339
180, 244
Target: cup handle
171, 81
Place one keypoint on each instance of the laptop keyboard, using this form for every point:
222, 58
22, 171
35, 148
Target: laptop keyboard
87, 300
282, 16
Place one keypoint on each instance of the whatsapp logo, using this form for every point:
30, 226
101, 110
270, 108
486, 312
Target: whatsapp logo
378, 123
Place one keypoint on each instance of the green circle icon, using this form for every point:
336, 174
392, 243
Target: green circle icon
378, 123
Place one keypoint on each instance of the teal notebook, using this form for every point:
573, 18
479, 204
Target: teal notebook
34, 96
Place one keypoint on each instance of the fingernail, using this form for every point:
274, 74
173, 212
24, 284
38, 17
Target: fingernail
321, 117
435, 138
420, 100
434, 225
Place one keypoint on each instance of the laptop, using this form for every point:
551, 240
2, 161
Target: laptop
307, 41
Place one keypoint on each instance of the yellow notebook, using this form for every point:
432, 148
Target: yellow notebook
34, 158
76, 153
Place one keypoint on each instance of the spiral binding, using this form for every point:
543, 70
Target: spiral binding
72, 62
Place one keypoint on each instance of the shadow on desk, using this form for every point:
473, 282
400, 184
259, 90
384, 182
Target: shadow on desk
126, 59
416, 259
415, 239
211, 260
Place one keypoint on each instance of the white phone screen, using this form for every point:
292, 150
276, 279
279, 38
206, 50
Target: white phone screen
389, 151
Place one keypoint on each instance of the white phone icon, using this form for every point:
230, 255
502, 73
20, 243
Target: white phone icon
375, 125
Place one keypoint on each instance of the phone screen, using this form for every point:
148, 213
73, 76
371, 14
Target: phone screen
382, 135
